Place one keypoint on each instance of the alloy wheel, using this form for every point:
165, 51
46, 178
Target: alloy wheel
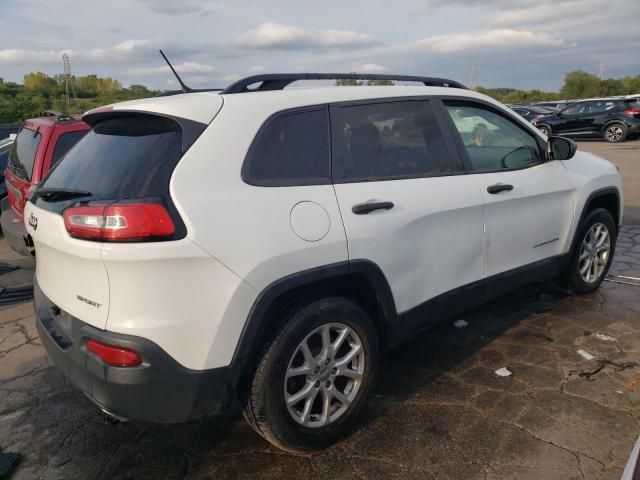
324, 375
614, 133
594, 253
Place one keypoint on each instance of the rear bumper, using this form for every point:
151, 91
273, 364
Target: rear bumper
633, 128
14, 231
158, 390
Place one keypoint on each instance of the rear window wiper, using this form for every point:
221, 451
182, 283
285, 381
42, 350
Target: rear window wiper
59, 194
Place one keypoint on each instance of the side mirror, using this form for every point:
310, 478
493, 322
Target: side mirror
560, 148
558, 113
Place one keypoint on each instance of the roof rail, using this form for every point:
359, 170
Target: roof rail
278, 81
60, 117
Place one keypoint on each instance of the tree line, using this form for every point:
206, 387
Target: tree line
41, 92
576, 85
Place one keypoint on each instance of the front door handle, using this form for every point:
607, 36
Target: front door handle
364, 208
499, 187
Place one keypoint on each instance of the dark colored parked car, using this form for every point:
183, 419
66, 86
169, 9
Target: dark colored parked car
531, 112
614, 119
5, 148
40, 144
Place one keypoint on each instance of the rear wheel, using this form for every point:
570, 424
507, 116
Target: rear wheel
616, 132
593, 252
315, 376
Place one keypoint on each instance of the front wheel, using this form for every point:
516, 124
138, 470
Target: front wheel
593, 252
314, 376
615, 133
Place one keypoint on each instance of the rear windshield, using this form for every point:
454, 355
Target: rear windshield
124, 157
23, 153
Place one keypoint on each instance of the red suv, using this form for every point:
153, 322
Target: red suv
40, 144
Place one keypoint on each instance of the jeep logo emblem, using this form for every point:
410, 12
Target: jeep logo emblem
33, 221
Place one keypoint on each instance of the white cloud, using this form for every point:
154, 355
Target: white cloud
277, 36
186, 67
230, 77
368, 68
492, 39
540, 13
181, 7
256, 69
120, 52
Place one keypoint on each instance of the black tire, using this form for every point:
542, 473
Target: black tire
264, 407
545, 129
615, 132
575, 281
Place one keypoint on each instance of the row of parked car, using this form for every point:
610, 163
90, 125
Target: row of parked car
264, 246
614, 119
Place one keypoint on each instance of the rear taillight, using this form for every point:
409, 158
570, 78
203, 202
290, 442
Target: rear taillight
114, 356
632, 112
119, 222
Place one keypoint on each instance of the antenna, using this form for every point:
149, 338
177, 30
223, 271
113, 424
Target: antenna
185, 89
68, 82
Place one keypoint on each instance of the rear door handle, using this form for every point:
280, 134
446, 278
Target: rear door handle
499, 187
364, 208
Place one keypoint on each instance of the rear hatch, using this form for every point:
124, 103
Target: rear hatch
113, 186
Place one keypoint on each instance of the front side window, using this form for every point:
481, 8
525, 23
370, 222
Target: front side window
388, 140
492, 141
23, 153
291, 149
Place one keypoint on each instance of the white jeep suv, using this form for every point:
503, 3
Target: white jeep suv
264, 245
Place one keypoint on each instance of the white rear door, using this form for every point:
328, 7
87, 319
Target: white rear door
528, 200
404, 203
69, 271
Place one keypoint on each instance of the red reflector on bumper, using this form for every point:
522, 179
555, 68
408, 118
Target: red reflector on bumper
115, 356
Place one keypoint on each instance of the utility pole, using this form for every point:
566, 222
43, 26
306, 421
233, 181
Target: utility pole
69, 86
474, 76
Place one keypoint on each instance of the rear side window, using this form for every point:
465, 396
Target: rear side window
292, 148
23, 153
64, 144
384, 141
122, 158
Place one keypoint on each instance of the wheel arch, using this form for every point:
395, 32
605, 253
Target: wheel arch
607, 198
359, 280
612, 122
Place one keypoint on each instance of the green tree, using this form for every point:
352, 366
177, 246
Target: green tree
346, 82
580, 84
379, 82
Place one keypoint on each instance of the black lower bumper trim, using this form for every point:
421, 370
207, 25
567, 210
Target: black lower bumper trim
159, 390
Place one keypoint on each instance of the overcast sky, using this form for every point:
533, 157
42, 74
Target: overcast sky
524, 44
